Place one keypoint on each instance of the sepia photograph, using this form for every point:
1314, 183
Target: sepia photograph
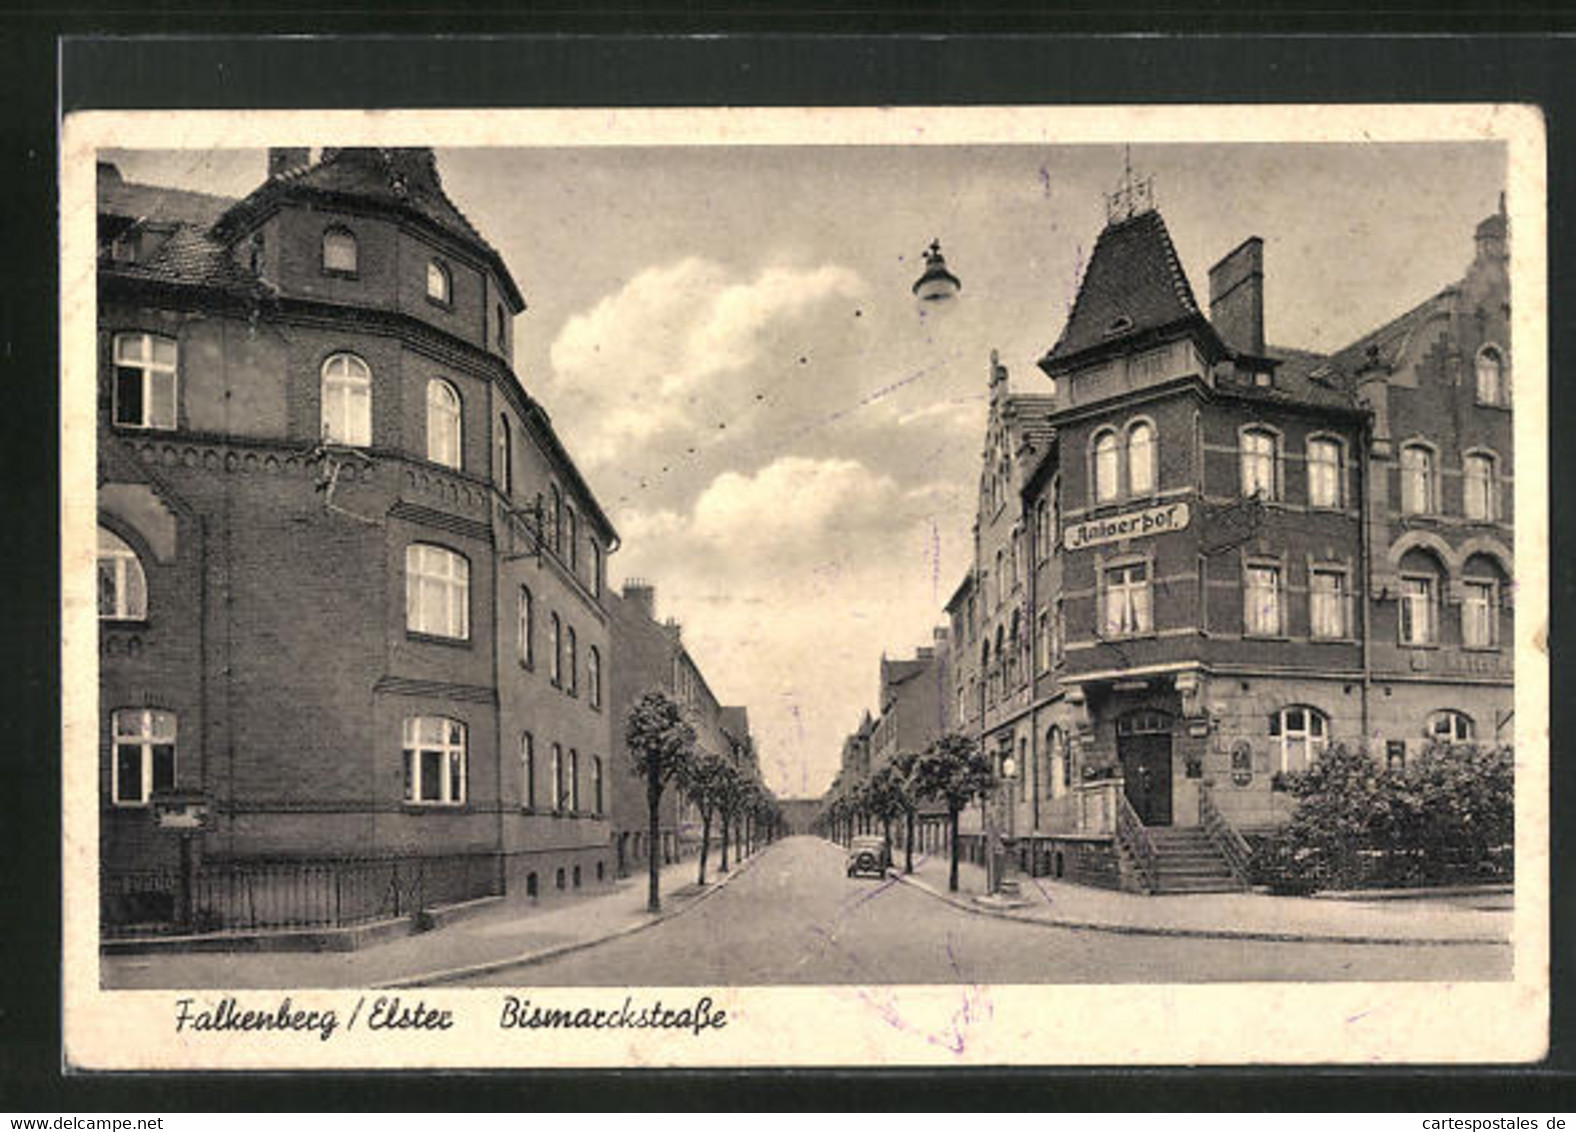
865, 587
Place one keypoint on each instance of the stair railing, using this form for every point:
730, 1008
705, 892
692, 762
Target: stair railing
1223, 836
1134, 838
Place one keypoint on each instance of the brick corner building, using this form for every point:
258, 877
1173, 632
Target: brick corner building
351, 593
1201, 558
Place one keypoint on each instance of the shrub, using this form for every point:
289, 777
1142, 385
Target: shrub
1447, 816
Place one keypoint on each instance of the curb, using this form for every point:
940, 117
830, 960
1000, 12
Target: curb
1198, 933
543, 955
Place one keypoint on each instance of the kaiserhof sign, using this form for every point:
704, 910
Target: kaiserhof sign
1135, 524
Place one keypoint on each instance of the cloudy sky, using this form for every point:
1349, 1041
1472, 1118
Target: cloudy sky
727, 341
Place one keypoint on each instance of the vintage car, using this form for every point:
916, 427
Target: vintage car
869, 855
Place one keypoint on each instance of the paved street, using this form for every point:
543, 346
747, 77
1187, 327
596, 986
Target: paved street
793, 917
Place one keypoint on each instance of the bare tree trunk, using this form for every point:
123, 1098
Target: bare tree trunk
653, 885
952, 877
705, 837
722, 868
908, 841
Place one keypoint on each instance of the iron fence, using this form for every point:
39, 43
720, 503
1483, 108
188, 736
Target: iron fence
255, 894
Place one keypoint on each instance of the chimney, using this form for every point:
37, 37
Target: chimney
1236, 297
643, 596
287, 159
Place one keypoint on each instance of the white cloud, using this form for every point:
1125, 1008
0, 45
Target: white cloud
663, 355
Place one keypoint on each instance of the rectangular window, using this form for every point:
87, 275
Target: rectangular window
557, 777
574, 781
1417, 611
437, 591
144, 381
144, 755
1324, 473
1258, 464
1417, 480
434, 761
1261, 604
1478, 488
1127, 600
1327, 604
1479, 615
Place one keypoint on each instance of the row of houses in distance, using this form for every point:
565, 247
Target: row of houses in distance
352, 588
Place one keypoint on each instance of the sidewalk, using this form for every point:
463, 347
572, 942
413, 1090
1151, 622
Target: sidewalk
506, 934
1457, 917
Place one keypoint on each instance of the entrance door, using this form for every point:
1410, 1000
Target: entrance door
1143, 743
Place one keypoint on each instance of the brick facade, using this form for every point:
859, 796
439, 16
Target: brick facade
276, 627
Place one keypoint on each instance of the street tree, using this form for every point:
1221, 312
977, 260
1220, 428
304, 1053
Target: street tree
883, 796
661, 744
904, 767
953, 772
703, 783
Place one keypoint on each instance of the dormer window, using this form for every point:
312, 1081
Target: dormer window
339, 252
438, 283
1118, 324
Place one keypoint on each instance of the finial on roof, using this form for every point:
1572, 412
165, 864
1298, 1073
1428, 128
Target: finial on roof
1133, 196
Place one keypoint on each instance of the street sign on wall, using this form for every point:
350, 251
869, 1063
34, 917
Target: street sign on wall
1133, 524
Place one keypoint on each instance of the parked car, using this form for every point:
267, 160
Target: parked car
869, 855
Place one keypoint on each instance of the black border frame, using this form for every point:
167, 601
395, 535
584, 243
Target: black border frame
672, 70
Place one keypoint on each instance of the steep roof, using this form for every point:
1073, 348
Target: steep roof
156, 204
190, 256
1134, 284
404, 180
1384, 346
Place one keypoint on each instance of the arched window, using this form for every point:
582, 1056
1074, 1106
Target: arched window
144, 381
437, 591
1479, 497
1417, 480
347, 401
572, 539
1141, 458
1421, 584
1301, 733
555, 519
1324, 472
1055, 763
1042, 530
122, 587
574, 781
339, 251
144, 755
504, 461
525, 645
443, 424
1450, 726
596, 784
1106, 467
1481, 584
556, 777
574, 663
1056, 511
1490, 377
594, 675
437, 282
503, 327
555, 643
527, 771
434, 761
1014, 651
1258, 463
596, 568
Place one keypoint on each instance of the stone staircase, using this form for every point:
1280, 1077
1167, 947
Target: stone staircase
1187, 861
